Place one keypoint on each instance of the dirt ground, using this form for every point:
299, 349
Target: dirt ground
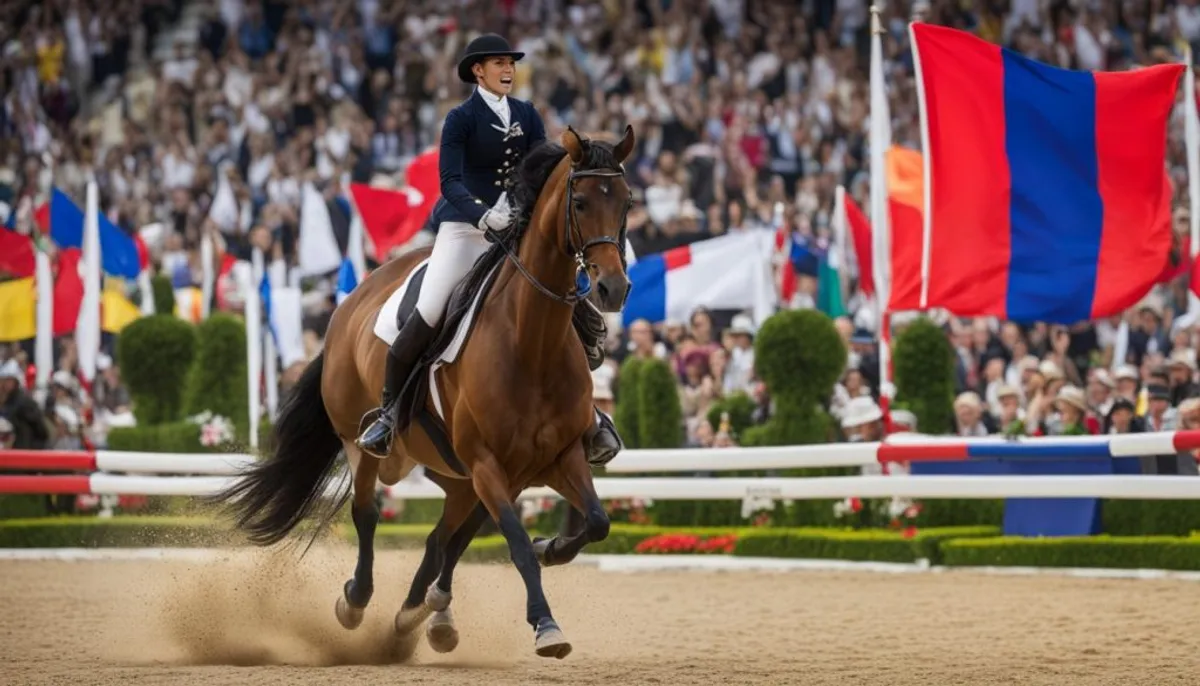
262, 618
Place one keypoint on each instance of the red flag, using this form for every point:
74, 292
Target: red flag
385, 216
423, 174
787, 274
68, 291
860, 233
16, 254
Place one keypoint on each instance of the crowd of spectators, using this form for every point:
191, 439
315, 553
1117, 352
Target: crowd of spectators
739, 106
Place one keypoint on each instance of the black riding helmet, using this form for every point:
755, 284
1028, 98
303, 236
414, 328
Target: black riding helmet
483, 47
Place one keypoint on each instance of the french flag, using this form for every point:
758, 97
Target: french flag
728, 272
1043, 197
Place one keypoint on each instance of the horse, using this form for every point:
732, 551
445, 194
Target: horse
516, 399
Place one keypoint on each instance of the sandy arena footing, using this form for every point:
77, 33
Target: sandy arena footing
263, 617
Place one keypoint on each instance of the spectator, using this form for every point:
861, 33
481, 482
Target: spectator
29, 426
969, 415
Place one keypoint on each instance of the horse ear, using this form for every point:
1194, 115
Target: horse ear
622, 149
573, 145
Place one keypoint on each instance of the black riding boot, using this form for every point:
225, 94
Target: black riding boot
408, 347
601, 443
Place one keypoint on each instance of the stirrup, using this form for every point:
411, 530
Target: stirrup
602, 443
376, 438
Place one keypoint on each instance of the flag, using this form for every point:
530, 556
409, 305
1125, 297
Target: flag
423, 176
1044, 184
346, 280
726, 272
68, 292
16, 254
874, 267
18, 318
904, 169
853, 225
829, 284
116, 310
386, 215
223, 211
118, 251
319, 251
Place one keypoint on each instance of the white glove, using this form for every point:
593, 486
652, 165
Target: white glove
500, 217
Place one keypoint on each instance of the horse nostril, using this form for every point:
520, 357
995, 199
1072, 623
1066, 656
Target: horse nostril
603, 290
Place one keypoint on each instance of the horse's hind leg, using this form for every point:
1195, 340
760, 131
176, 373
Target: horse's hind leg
356, 594
441, 632
572, 477
423, 597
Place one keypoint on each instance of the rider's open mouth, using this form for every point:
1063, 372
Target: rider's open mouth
506, 80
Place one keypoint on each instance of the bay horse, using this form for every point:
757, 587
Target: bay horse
517, 399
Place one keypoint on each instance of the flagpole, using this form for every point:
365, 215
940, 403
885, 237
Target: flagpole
87, 329
208, 279
1191, 130
43, 351
254, 344
880, 141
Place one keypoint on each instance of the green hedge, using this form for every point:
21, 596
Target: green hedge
923, 362
164, 294
1146, 552
155, 354
92, 532
217, 382
660, 413
848, 544
626, 413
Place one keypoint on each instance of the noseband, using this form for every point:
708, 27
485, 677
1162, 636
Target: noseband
573, 235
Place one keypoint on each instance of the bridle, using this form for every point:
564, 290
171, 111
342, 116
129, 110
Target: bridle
573, 235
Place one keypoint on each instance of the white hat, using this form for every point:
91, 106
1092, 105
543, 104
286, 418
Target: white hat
904, 418
1072, 395
67, 416
63, 378
11, 370
859, 411
103, 362
742, 324
1126, 371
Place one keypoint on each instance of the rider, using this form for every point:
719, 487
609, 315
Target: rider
483, 138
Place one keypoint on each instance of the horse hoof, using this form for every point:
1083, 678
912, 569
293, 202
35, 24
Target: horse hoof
442, 635
348, 616
409, 618
550, 641
436, 599
541, 550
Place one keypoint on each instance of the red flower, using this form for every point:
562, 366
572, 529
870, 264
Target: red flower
856, 505
909, 532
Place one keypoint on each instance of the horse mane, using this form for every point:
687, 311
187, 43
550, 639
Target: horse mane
528, 179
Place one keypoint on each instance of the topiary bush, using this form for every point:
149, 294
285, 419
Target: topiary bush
217, 382
164, 294
799, 356
923, 364
626, 412
741, 413
660, 413
155, 354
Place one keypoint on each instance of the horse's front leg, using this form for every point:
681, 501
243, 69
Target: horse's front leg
497, 494
356, 594
572, 478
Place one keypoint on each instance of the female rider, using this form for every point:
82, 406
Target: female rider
483, 138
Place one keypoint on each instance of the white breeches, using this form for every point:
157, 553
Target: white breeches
455, 249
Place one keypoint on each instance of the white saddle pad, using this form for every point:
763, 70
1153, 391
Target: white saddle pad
386, 330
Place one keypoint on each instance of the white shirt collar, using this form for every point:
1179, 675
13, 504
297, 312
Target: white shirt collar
496, 103
491, 98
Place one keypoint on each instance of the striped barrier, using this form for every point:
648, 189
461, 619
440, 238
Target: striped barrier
133, 473
682, 488
897, 448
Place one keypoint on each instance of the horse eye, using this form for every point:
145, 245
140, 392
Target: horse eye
580, 205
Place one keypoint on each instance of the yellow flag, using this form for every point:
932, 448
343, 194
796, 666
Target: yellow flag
18, 310
116, 312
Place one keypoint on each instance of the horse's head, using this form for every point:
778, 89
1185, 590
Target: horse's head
597, 200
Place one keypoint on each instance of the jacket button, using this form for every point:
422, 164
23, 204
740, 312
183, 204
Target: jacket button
497, 183
508, 151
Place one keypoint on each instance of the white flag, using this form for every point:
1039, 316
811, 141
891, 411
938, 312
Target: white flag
43, 350
319, 253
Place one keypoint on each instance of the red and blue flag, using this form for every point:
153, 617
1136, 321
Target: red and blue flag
1044, 196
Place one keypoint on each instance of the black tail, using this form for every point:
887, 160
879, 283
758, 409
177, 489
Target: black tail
274, 495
